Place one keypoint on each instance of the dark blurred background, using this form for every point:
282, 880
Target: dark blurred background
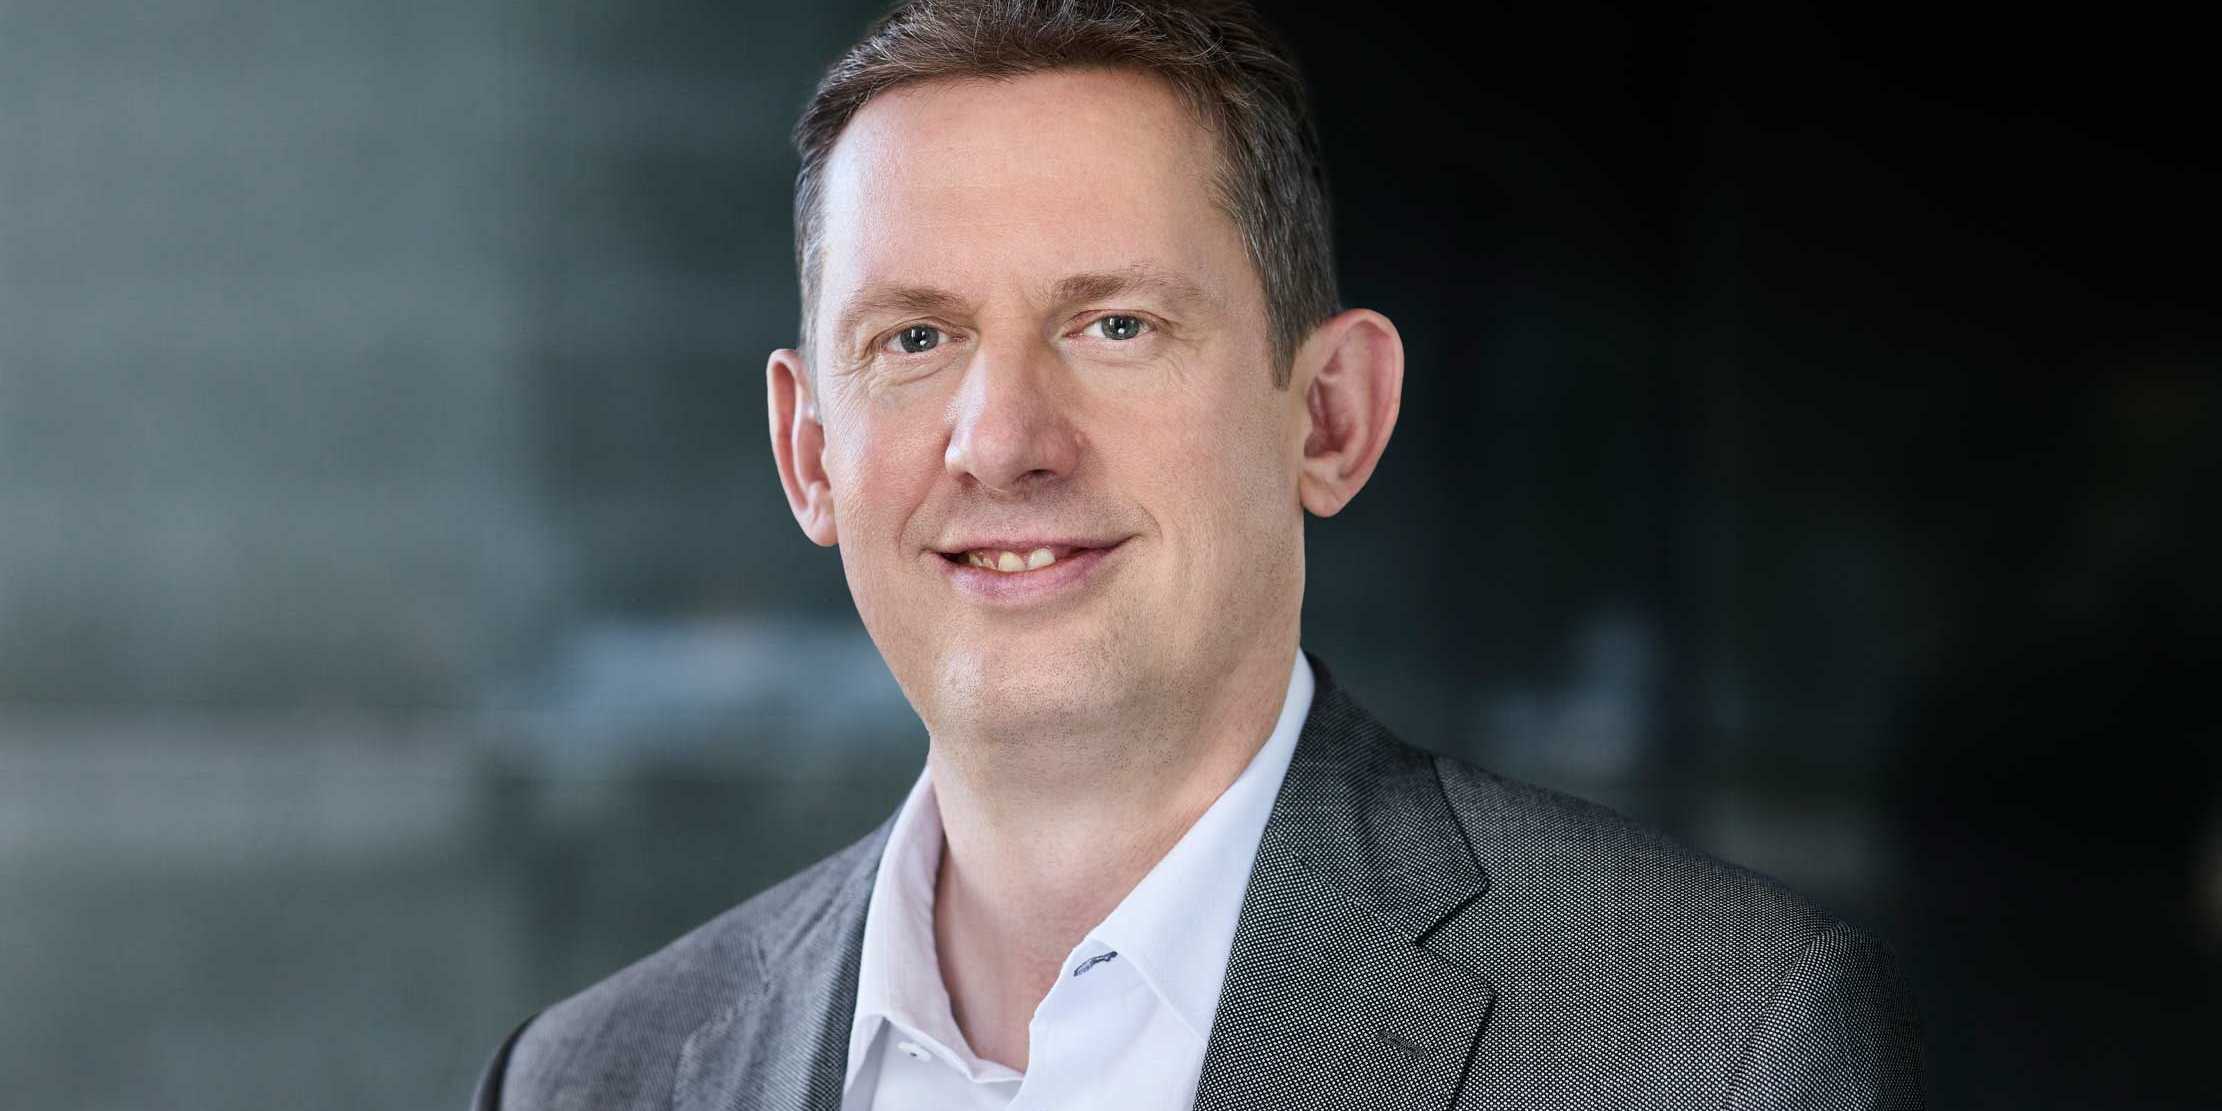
1810, 445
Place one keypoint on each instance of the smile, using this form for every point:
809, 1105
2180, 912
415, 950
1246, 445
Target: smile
1025, 572
1009, 562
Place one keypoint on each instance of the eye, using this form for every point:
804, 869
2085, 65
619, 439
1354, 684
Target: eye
1117, 327
918, 339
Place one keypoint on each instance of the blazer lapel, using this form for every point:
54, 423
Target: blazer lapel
1332, 997
785, 1046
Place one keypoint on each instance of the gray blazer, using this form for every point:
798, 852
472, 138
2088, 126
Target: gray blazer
1418, 934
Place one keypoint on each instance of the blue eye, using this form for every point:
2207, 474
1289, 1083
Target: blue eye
918, 339
1120, 327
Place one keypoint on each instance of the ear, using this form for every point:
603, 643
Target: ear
799, 445
1351, 370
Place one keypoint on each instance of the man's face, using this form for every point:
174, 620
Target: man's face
1038, 338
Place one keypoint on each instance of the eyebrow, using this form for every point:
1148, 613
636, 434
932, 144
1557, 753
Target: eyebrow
1100, 285
1106, 284
898, 300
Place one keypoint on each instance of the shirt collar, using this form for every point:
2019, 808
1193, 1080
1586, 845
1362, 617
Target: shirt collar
1177, 925
898, 974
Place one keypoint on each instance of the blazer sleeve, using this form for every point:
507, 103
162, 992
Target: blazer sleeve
1839, 1032
488, 1095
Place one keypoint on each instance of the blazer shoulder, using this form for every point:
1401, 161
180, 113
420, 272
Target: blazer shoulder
617, 1042
1745, 986
1548, 847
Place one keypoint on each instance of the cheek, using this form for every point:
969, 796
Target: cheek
882, 472
1233, 480
878, 487
881, 467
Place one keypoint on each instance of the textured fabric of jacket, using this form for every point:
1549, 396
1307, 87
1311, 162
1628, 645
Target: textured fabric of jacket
1417, 934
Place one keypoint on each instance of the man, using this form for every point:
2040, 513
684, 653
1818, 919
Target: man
1071, 373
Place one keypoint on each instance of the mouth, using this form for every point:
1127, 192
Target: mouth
1017, 558
1026, 572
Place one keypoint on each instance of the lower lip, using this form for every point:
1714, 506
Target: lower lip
1015, 588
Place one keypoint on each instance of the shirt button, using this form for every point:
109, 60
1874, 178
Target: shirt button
916, 1051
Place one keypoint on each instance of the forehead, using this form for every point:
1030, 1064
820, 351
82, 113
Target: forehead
965, 184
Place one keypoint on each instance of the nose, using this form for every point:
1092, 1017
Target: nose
1010, 427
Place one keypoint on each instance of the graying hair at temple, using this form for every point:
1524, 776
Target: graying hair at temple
1233, 72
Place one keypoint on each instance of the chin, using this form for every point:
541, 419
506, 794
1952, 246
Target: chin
1018, 690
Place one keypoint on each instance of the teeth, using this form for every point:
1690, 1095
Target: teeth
1010, 562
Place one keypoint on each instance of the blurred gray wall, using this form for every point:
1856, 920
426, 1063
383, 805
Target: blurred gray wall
267, 353
359, 367
348, 349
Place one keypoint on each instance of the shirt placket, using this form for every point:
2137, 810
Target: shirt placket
1064, 1050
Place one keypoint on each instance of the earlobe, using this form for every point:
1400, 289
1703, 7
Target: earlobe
798, 445
1353, 392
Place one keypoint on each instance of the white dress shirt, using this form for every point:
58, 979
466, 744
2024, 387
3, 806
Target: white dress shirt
1126, 1023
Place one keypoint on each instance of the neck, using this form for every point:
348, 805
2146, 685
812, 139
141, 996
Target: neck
1043, 840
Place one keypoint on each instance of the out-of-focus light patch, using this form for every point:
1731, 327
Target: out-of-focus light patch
183, 789
1596, 725
1827, 847
728, 694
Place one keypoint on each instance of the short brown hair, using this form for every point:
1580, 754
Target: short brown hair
1217, 55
